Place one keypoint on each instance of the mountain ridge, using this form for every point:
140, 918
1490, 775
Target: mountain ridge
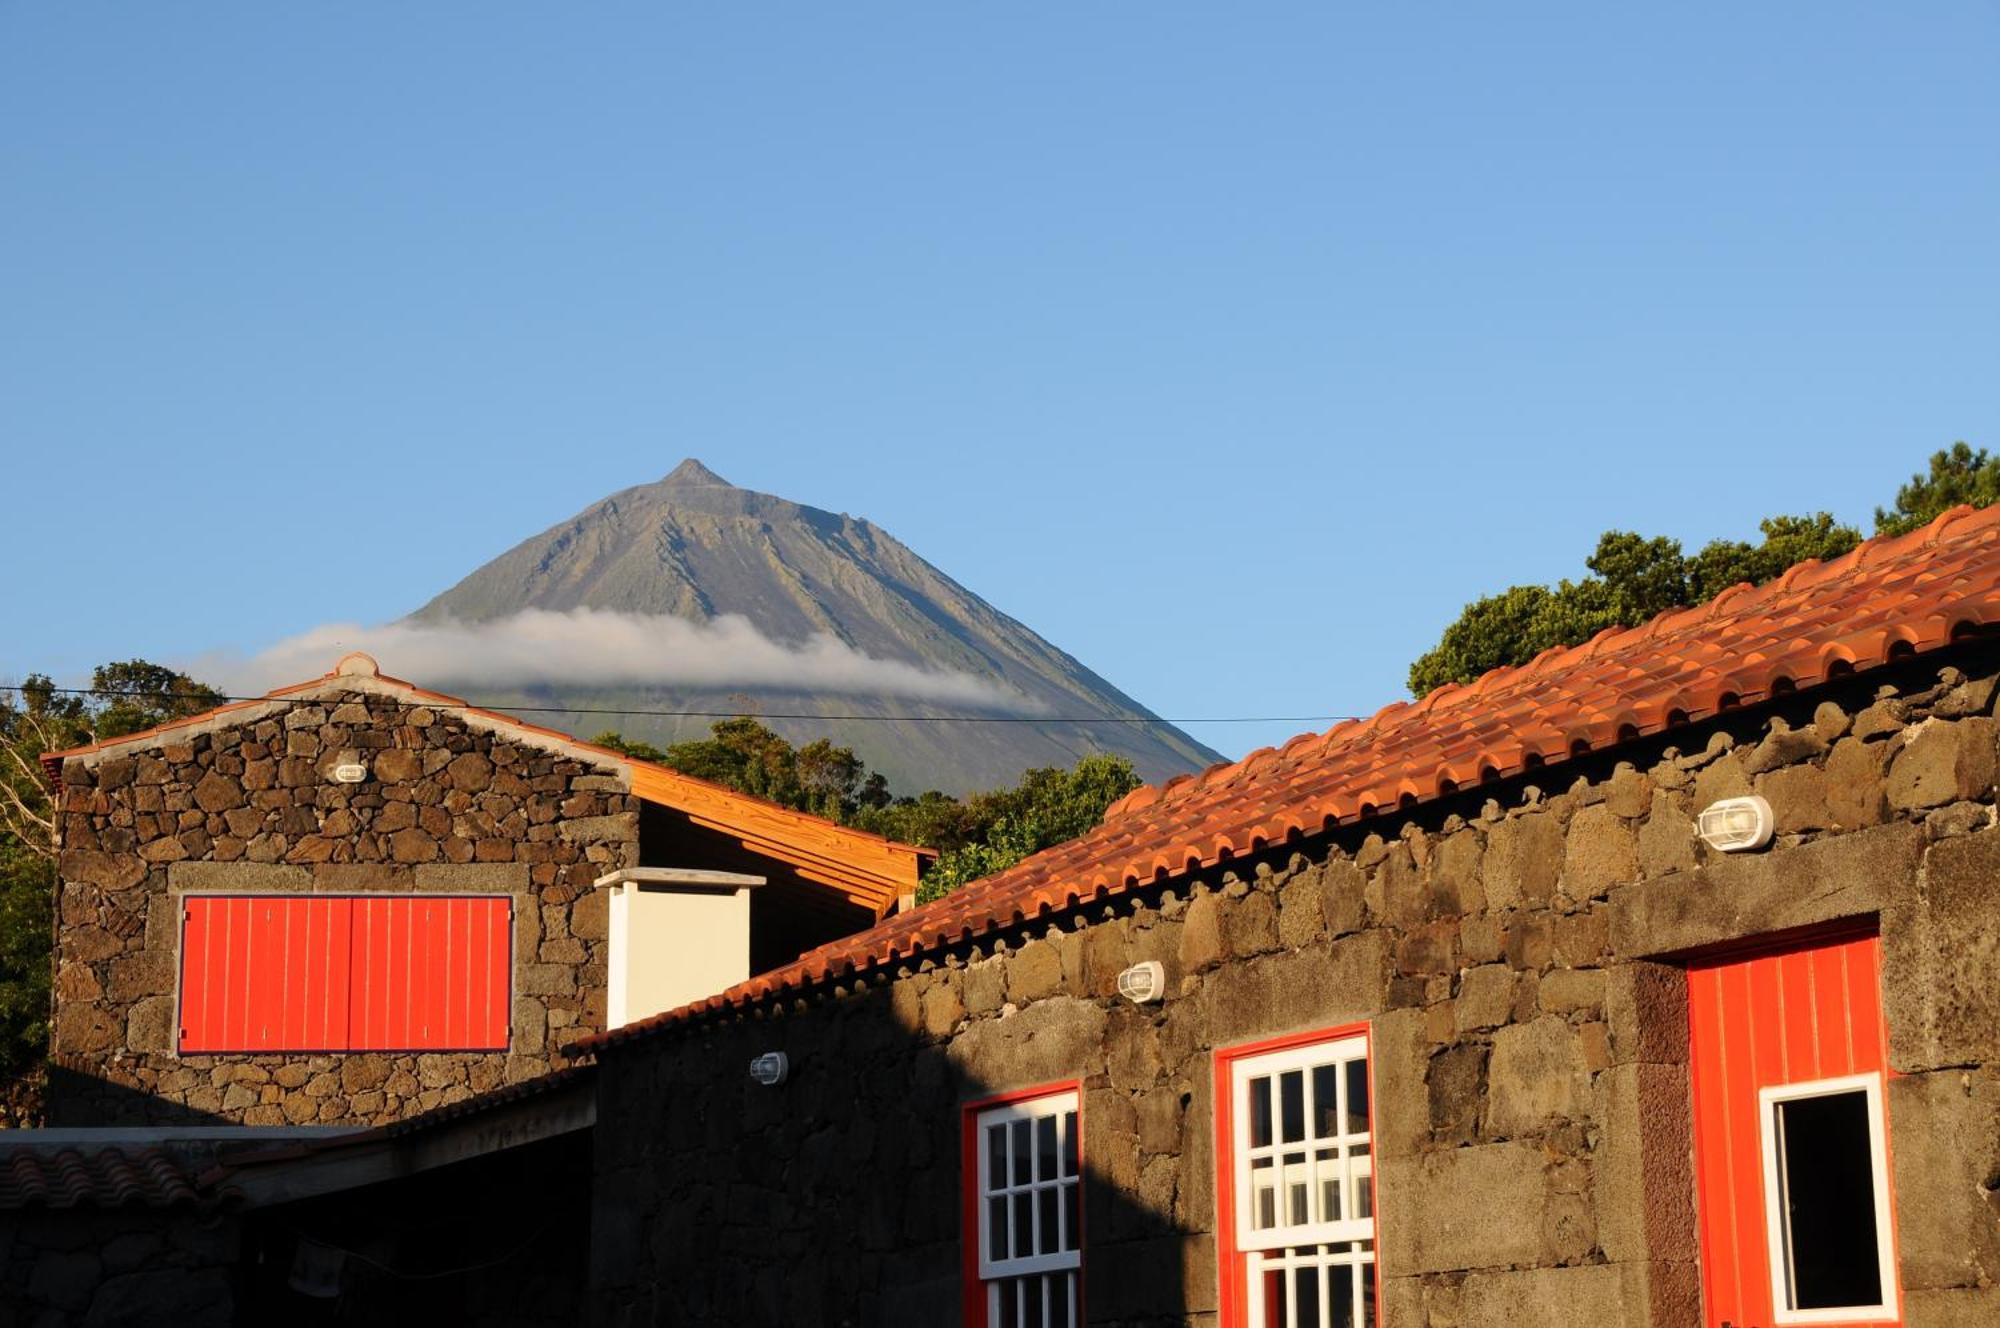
693, 546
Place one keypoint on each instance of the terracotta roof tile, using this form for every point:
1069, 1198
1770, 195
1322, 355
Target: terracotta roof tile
39, 1176
1892, 596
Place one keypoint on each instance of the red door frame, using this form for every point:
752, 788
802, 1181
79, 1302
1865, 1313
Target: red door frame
972, 1289
1231, 1286
1749, 991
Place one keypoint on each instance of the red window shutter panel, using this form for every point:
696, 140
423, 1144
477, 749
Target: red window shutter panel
264, 973
345, 973
431, 974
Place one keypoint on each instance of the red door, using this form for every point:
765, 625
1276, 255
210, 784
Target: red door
1791, 1141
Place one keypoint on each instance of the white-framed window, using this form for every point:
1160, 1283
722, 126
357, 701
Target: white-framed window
1029, 1216
1302, 1168
1826, 1201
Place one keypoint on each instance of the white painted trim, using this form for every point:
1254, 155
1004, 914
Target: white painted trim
1339, 1051
682, 876
1030, 1109
618, 927
1778, 1248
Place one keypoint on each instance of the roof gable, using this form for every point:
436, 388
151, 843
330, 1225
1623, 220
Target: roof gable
870, 870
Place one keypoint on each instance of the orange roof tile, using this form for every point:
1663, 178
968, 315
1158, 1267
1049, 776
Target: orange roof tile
1890, 598
38, 1176
866, 867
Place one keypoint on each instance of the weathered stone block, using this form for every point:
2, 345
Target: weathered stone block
1201, 932
1751, 894
1463, 1208
619, 829
106, 871
150, 1026
1058, 1038
1034, 972
1646, 1008
1600, 851
1941, 958
1250, 924
1644, 1181
1458, 885
1485, 998
1797, 795
1666, 840
943, 1007
1343, 893
1857, 791
1317, 987
1585, 1297
1536, 1078
1945, 1143
1457, 1085
1943, 761
1524, 859
1572, 990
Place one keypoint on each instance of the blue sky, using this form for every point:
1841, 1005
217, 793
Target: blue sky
1231, 347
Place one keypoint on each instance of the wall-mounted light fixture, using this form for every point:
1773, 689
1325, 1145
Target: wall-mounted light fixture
771, 1069
1142, 983
1736, 825
350, 772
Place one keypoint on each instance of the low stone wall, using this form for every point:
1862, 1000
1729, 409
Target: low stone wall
117, 1268
1513, 957
246, 803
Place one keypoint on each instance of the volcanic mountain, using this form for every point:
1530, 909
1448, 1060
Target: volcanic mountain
696, 547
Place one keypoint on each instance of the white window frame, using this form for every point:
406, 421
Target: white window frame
991, 1270
1271, 1065
1775, 1217
1289, 1247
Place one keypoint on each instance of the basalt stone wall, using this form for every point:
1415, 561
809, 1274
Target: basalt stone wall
246, 803
92, 1267
1516, 958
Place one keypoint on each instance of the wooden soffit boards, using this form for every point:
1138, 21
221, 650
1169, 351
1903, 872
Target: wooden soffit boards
868, 869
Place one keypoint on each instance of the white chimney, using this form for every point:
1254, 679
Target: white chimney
676, 936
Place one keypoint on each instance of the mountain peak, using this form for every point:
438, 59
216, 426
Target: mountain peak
691, 473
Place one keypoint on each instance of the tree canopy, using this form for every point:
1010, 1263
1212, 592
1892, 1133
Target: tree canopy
975, 836
1633, 577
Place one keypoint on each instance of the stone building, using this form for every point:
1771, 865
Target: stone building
353, 900
1656, 982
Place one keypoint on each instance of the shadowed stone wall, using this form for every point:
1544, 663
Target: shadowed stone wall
1516, 953
246, 803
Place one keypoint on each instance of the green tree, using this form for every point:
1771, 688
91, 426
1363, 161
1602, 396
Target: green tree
1957, 475
1048, 807
125, 698
1634, 578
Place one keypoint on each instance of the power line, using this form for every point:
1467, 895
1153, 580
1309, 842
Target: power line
1046, 720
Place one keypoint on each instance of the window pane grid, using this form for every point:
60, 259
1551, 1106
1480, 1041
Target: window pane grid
1306, 1154
1314, 1286
1037, 1300
1028, 1205
1303, 1171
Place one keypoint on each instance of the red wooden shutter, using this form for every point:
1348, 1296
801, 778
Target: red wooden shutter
345, 973
431, 973
264, 973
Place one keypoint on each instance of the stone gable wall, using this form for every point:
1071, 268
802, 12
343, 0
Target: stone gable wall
250, 806
1512, 957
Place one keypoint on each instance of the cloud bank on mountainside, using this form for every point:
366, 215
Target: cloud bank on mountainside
587, 647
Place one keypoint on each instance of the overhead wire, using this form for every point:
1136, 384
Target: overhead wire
644, 712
